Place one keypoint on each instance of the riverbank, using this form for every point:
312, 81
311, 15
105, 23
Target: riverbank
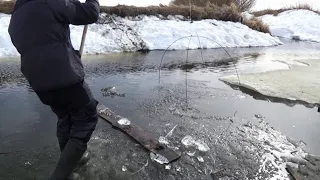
113, 33
142, 33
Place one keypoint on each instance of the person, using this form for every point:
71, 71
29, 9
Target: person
39, 30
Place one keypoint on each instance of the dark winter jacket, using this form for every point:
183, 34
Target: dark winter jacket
39, 29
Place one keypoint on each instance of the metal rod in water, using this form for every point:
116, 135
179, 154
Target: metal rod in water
83, 39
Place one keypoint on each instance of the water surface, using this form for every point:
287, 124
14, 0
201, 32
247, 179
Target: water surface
27, 128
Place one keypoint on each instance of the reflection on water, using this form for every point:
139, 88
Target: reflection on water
28, 127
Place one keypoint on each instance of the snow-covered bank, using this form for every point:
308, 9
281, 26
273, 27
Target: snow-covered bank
299, 83
295, 24
6, 47
149, 32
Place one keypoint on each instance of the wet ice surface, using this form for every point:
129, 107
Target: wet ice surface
234, 135
300, 84
246, 150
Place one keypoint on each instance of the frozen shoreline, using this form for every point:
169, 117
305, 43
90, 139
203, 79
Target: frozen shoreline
301, 25
116, 34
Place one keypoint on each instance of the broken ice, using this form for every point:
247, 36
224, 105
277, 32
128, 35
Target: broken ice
163, 140
158, 158
124, 168
124, 122
241, 96
178, 168
202, 146
95, 137
168, 167
103, 110
113, 90
200, 159
134, 155
191, 153
259, 116
188, 141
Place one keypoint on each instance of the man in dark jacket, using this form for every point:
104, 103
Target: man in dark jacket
39, 29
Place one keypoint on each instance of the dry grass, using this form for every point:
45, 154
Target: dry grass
258, 25
201, 3
224, 13
275, 12
6, 7
244, 5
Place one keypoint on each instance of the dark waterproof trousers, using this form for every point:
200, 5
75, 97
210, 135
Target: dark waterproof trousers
76, 110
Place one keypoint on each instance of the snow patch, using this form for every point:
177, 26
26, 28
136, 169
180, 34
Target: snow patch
6, 47
247, 16
160, 34
295, 24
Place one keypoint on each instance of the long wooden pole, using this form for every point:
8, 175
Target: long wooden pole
83, 39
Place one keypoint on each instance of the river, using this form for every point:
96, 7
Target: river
207, 109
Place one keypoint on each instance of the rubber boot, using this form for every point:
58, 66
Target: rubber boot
69, 159
62, 143
83, 161
74, 176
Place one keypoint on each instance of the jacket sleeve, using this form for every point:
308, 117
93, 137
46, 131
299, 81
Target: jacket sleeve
74, 12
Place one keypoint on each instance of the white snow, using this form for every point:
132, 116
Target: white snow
247, 16
149, 32
160, 34
295, 24
6, 47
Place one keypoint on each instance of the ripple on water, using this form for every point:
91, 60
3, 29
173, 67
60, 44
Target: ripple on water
14, 88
